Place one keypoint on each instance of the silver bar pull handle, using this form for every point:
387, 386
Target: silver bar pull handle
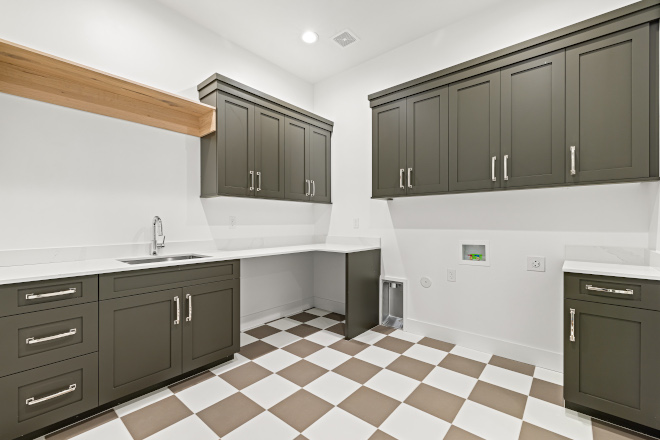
572, 337
178, 311
409, 178
251, 180
573, 160
259, 176
603, 289
401, 171
31, 341
506, 171
33, 401
313, 188
492, 168
48, 295
309, 187
189, 299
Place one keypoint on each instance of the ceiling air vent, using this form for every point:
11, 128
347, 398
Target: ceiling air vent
345, 38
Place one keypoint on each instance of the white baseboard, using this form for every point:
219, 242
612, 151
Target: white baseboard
511, 350
330, 305
259, 318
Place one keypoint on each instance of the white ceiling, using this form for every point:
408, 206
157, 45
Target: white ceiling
272, 28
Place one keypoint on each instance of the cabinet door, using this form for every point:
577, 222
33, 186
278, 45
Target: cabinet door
533, 122
389, 150
607, 107
319, 164
296, 141
428, 140
613, 362
474, 133
139, 342
211, 324
268, 153
235, 146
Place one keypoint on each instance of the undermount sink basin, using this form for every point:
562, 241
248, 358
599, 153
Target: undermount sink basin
157, 259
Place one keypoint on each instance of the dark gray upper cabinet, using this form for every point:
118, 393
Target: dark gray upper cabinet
474, 133
389, 150
533, 122
319, 164
607, 107
297, 184
427, 142
268, 154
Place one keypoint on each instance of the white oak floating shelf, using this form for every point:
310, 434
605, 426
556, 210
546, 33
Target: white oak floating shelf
36, 75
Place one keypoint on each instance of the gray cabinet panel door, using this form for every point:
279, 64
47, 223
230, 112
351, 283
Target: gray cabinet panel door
235, 145
268, 153
389, 150
612, 365
296, 139
428, 142
362, 292
533, 122
211, 324
139, 342
474, 133
607, 107
319, 164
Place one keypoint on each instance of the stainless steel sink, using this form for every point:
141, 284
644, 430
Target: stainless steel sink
162, 259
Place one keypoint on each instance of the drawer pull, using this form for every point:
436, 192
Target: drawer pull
572, 337
602, 289
48, 295
189, 298
50, 338
178, 311
32, 401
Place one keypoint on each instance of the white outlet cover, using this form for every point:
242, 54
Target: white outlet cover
536, 264
451, 275
425, 282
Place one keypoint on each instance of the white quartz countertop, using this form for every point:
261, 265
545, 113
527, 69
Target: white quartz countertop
612, 270
37, 272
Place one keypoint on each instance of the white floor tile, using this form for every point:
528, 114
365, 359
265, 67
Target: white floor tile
408, 423
236, 362
558, 419
322, 322
264, 426
281, 339
277, 360
205, 394
369, 337
520, 383
425, 354
317, 312
451, 381
284, 324
190, 427
247, 339
113, 430
487, 423
270, 391
332, 387
471, 354
324, 337
410, 337
339, 424
328, 358
377, 356
549, 376
142, 401
392, 384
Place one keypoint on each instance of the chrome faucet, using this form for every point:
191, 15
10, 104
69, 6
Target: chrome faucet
159, 239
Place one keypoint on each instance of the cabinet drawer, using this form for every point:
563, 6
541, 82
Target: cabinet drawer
37, 398
629, 292
34, 339
42, 295
116, 285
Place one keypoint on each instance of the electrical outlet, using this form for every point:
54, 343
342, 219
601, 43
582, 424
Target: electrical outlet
232, 222
451, 275
536, 264
356, 223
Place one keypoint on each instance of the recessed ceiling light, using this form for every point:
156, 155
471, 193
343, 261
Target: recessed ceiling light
310, 37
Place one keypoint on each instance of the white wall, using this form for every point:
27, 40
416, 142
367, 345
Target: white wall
501, 308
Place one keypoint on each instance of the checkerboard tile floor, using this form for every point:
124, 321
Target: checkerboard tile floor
297, 378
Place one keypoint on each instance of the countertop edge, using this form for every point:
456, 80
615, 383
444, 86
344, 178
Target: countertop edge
612, 270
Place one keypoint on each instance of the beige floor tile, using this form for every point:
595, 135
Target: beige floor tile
412, 368
303, 317
548, 391
303, 348
302, 372
262, 331
300, 437
533, 432
245, 375
500, 399
369, 405
155, 417
227, 415
191, 381
382, 329
438, 403
518, 367
335, 316
607, 431
357, 370
83, 426
351, 347
304, 330
438, 345
339, 328
301, 409
256, 349
380, 435
394, 344
456, 433
463, 365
